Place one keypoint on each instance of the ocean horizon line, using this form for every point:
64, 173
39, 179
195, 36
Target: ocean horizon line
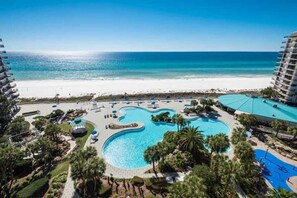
95, 51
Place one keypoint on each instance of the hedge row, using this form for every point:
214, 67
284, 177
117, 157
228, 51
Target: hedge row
34, 189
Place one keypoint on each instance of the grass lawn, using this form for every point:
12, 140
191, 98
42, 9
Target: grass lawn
84, 139
60, 168
65, 127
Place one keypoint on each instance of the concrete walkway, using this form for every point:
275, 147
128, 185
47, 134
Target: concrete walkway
71, 142
292, 183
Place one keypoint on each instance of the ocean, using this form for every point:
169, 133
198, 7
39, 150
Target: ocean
140, 65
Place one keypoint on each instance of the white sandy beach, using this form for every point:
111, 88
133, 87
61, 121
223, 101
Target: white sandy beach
66, 88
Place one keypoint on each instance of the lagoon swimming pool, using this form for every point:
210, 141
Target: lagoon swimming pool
275, 170
125, 149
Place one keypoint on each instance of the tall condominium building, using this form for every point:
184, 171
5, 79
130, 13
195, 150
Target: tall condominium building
7, 87
285, 75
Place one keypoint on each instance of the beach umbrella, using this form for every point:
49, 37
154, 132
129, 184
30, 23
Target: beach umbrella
153, 103
190, 97
94, 132
152, 98
126, 99
114, 111
113, 99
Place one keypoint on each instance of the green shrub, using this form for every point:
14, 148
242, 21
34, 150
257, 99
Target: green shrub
137, 181
56, 185
148, 183
62, 178
104, 191
34, 189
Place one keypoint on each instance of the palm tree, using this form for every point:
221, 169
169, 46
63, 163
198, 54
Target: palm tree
18, 125
179, 121
203, 101
192, 186
53, 132
238, 134
39, 123
152, 155
244, 152
269, 92
86, 165
9, 157
191, 140
90, 152
209, 178
293, 131
194, 103
94, 169
247, 120
228, 172
279, 125
218, 143
216, 161
283, 193
164, 148
46, 150
171, 137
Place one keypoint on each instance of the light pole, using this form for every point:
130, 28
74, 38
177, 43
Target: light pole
266, 152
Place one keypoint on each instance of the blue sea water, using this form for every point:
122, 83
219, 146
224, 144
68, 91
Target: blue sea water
125, 149
140, 65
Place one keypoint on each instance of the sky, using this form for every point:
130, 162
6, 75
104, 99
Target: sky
146, 25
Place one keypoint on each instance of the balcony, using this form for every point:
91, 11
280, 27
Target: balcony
9, 74
5, 69
4, 83
3, 77
12, 85
15, 95
11, 80
8, 93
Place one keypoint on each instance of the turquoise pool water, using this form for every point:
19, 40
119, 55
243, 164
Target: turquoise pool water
125, 149
275, 170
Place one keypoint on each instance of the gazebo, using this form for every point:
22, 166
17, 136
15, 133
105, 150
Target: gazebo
78, 126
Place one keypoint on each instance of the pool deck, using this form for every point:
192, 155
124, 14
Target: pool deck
99, 122
293, 180
293, 183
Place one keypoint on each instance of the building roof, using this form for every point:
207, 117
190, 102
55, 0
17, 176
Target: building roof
259, 106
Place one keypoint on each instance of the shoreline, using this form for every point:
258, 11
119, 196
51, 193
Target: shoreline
76, 88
